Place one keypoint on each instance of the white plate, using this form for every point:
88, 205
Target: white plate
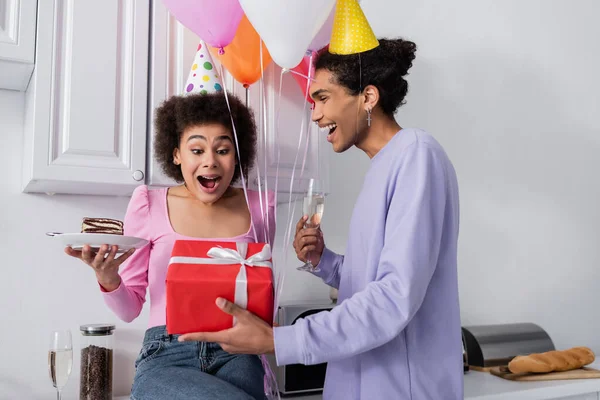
95, 240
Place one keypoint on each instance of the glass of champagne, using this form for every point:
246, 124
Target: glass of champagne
314, 203
60, 359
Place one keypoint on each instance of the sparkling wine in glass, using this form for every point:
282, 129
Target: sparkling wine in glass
313, 207
60, 359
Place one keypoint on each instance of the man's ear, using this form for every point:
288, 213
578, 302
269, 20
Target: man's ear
371, 97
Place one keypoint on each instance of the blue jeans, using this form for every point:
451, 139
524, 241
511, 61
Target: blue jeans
168, 369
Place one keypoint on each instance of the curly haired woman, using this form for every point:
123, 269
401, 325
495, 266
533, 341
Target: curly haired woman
195, 145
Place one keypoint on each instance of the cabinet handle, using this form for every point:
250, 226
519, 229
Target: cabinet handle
138, 175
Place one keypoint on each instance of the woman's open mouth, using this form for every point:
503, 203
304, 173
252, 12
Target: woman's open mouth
209, 182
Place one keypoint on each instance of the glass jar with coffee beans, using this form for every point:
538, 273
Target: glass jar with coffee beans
96, 362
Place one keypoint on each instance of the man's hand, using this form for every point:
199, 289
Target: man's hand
250, 335
308, 243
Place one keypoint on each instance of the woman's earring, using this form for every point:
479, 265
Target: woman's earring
368, 117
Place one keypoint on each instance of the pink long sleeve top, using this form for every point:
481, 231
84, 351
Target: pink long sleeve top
147, 217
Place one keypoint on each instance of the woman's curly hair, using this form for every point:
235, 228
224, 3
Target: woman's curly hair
178, 113
383, 67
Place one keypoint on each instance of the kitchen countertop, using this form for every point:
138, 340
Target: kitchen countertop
484, 386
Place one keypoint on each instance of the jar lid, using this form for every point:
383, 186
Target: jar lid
97, 329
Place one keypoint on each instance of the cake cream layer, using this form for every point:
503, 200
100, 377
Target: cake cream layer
102, 225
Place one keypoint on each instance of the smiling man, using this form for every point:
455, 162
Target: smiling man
395, 333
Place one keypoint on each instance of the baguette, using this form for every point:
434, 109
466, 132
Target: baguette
552, 361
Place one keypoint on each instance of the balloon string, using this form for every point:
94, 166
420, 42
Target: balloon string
266, 237
265, 220
301, 74
263, 106
291, 212
237, 146
270, 386
281, 276
310, 70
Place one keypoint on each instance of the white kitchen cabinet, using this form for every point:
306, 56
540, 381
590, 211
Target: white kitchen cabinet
17, 42
172, 51
86, 105
90, 104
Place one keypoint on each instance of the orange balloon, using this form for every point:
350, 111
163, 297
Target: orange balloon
242, 55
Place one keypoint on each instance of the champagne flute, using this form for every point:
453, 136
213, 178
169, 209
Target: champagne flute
314, 203
60, 359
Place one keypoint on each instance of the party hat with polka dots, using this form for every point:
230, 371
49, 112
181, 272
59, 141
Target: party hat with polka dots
351, 31
203, 77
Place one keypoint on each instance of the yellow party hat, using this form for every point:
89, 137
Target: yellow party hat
351, 31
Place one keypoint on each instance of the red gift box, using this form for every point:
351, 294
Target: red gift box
201, 271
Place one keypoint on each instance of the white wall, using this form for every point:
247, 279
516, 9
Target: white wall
43, 289
508, 88
511, 90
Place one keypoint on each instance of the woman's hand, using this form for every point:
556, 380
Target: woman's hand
104, 263
308, 241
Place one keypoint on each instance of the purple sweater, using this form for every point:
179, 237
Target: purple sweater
395, 333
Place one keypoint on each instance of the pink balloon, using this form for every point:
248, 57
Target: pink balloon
306, 69
323, 37
214, 21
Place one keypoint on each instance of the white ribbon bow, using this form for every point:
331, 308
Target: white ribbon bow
223, 256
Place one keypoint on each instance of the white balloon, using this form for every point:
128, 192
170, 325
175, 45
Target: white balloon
287, 26
323, 37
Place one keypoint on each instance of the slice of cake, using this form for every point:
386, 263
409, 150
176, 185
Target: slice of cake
102, 225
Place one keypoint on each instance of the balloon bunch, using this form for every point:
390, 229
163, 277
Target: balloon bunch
247, 35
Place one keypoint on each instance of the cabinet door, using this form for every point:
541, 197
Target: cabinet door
17, 42
167, 60
85, 124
